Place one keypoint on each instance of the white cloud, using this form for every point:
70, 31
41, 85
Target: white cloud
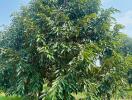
106, 2
126, 19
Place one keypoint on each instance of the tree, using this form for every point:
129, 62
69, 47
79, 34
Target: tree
127, 51
57, 42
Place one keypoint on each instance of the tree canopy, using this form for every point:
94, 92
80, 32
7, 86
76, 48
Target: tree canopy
51, 49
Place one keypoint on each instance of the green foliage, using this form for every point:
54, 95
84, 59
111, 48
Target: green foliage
58, 43
127, 51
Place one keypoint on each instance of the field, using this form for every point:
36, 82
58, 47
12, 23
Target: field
9, 98
3, 97
79, 96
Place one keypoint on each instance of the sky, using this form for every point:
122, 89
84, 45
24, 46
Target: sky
7, 7
125, 15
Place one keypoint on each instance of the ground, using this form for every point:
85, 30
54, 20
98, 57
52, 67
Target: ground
79, 96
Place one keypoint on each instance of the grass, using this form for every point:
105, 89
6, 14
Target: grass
129, 93
9, 98
82, 96
78, 96
3, 97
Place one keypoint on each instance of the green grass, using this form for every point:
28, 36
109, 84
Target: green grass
77, 96
3, 97
82, 96
9, 98
129, 93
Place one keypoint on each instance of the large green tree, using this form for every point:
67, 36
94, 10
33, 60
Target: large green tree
58, 43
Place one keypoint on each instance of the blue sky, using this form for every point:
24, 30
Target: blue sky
7, 7
125, 6
125, 15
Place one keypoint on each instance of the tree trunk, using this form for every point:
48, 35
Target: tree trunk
40, 93
108, 97
65, 3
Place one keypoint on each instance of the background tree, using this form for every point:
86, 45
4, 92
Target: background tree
127, 51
